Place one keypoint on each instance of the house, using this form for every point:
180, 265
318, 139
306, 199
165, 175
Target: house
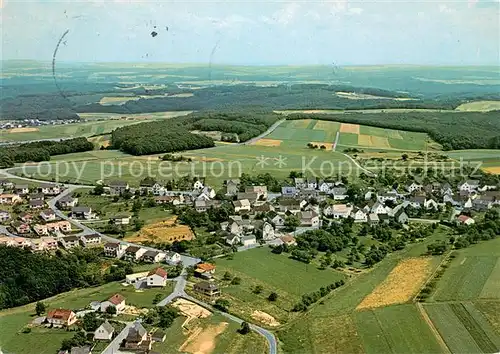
465, 220
10, 199
207, 288
157, 277
300, 183
384, 197
36, 204
373, 219
261, 191
133, 253
4, 216
232, 239
232, 186
278, 220
41, 229
289, 204
378, 208
117, 300
482, 203
81, 350
104, 331
114, 249
416, 202
67, 202
339, 193
135, 277
36, 196
431, 204
288, 240
61, 317
446, 189
248, 240
384, 218
6, 184
69, 242
153, 256
21, 228
44, 244
82, 212
469, 185
117, 187
158, 336
311, 183
325, 187
267, 231
22, 189
202, 206
288, 191
25, 217
198, 186
340, 211
309, 219
242, 205
414, 187
50, 189
158, 189
48, 215
251, 196
91, 240
204, 270
172, 257
359, 215
263, 207
401, 217
137, 337
120, 219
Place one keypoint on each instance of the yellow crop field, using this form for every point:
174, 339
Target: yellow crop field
268, 142
402, 283
349, 128
163, 231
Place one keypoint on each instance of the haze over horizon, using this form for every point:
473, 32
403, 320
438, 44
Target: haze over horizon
341, 32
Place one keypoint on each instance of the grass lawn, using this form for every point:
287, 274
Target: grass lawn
395, 329
472, 274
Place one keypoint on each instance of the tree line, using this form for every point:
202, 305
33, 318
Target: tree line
41, 150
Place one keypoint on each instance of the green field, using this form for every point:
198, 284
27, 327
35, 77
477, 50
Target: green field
289, 278
489, 160
463, 328
395, 329
472, 274
479, 106
12, 321
97, 124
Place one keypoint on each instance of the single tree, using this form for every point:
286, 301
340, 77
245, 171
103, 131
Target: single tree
272, 296
258, 289
245, 328
111, 310
39, 308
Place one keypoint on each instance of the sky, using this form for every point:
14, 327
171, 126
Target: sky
254, 32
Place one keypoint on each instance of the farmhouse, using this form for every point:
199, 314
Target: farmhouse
61, 317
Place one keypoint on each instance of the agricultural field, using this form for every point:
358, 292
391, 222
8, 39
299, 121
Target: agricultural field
295, 133
12, 321
289, 278
479, 106
165, 231
473, 274
395, 329
95, 124
463, 328
489, 160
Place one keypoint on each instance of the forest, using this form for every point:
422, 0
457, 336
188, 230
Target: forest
41, 150
27, 277
175, 134
453, 130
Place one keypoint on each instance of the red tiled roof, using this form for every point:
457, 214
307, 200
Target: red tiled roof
60, 314
159, 271
463, 218
206, 267
116, 299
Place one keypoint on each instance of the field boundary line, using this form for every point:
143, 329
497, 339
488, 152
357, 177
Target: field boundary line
433, 328
446, 257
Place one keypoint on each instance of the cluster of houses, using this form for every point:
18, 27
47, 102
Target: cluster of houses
133, 253
48, 243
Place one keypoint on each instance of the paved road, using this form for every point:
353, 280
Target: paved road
368, 172
180, 285
3, 230
267, 132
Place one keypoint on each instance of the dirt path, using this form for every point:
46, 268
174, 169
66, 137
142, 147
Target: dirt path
433, 328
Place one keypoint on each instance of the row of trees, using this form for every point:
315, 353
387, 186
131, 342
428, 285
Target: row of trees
309, 299
41, 150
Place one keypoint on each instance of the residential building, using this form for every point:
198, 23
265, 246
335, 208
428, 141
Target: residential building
232, 186
104, 331
339, 193
267, 231
36, 196
465, 220
61, 317
117, 187
157, 277
50, 243
417, 202
312, 182
289, 204
82, 212
288, 240
22, 189
204, 270
232, 239
117, 300
133, 253
6, 184
300, 183
21, 228
69, 242
172, 257
91, 240
26, 217
36, 204
414, 187
153, 256
81, 350
309, 219
289, 191
120, 219
251, 196
67, 202
401, 217
248, 240
242, 205
359, 215
50, 189
431, 204
207, 288
48, 215
198, 186
384, 197
4, 216
114, 249
373, 219
137, 338
469, 185
261, 191
278, 220
10, 199
134, 278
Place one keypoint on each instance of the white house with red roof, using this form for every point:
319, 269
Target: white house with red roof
117, 300
465, 220
157, 277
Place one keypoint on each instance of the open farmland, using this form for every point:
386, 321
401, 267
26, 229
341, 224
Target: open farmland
479, 106
472, 274
488, 159
166, 231
463, 328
